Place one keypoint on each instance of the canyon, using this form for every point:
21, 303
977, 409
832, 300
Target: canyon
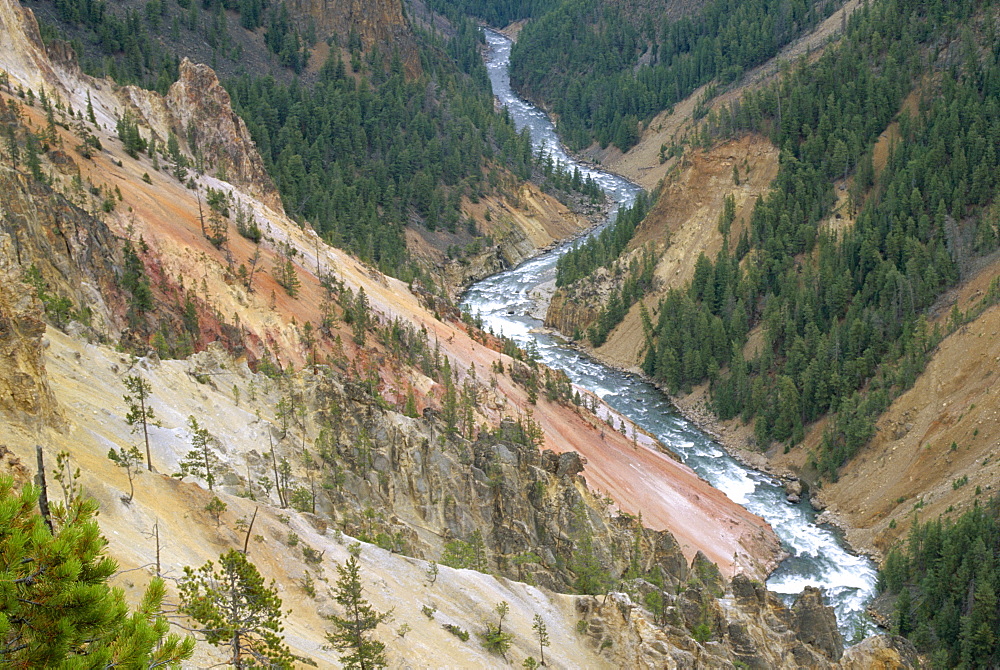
533, 476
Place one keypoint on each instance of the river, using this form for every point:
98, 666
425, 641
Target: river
817, 555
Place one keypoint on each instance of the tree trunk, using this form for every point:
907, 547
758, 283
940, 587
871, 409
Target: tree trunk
208, 473
43, 496
145, 430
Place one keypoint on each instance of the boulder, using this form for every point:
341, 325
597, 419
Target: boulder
570, 464
881, 652
815, 623
550, 461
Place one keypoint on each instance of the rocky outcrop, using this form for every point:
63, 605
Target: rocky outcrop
21, 50
24, 390
76, 255
469, 269
816, 625
70, 256
576, 307
881, 652
570, 313
511, 249
379, 23
794, 490
197, 107
374, 21
533, 512
517, 236
515, 224
749, 627
202, 113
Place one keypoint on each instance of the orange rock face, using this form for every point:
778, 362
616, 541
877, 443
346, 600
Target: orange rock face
202, 110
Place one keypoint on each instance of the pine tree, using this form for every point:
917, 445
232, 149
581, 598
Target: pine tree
352, 630
494, 639
31, 160
542, 631
218, 209
56, 609
216, 507
135, 281
361, 317
90, 110
139, 412
131, 460
237, 610
128, 133
200, 461
284, 270
591, 576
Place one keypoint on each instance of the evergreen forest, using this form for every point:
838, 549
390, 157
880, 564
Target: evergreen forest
843, 316
360, 160
944, 583
602, 68
359, 148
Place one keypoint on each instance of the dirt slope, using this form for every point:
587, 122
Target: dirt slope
164, 214
682, 225
910, 467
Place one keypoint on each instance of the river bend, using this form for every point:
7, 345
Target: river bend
817, 555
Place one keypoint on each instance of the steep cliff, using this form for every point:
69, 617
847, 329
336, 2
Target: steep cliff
377, 23
746, 627
575, 308
22, 48
24, 390
198, 112
71, 255
201, 112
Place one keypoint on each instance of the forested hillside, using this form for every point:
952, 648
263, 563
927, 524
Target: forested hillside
140, 42
361, 160
361, 147
944, 584
844, 317
604, 67
494, 13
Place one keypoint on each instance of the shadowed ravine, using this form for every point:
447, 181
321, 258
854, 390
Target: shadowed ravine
817, 555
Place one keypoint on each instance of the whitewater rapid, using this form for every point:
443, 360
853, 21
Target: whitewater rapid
817, 554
